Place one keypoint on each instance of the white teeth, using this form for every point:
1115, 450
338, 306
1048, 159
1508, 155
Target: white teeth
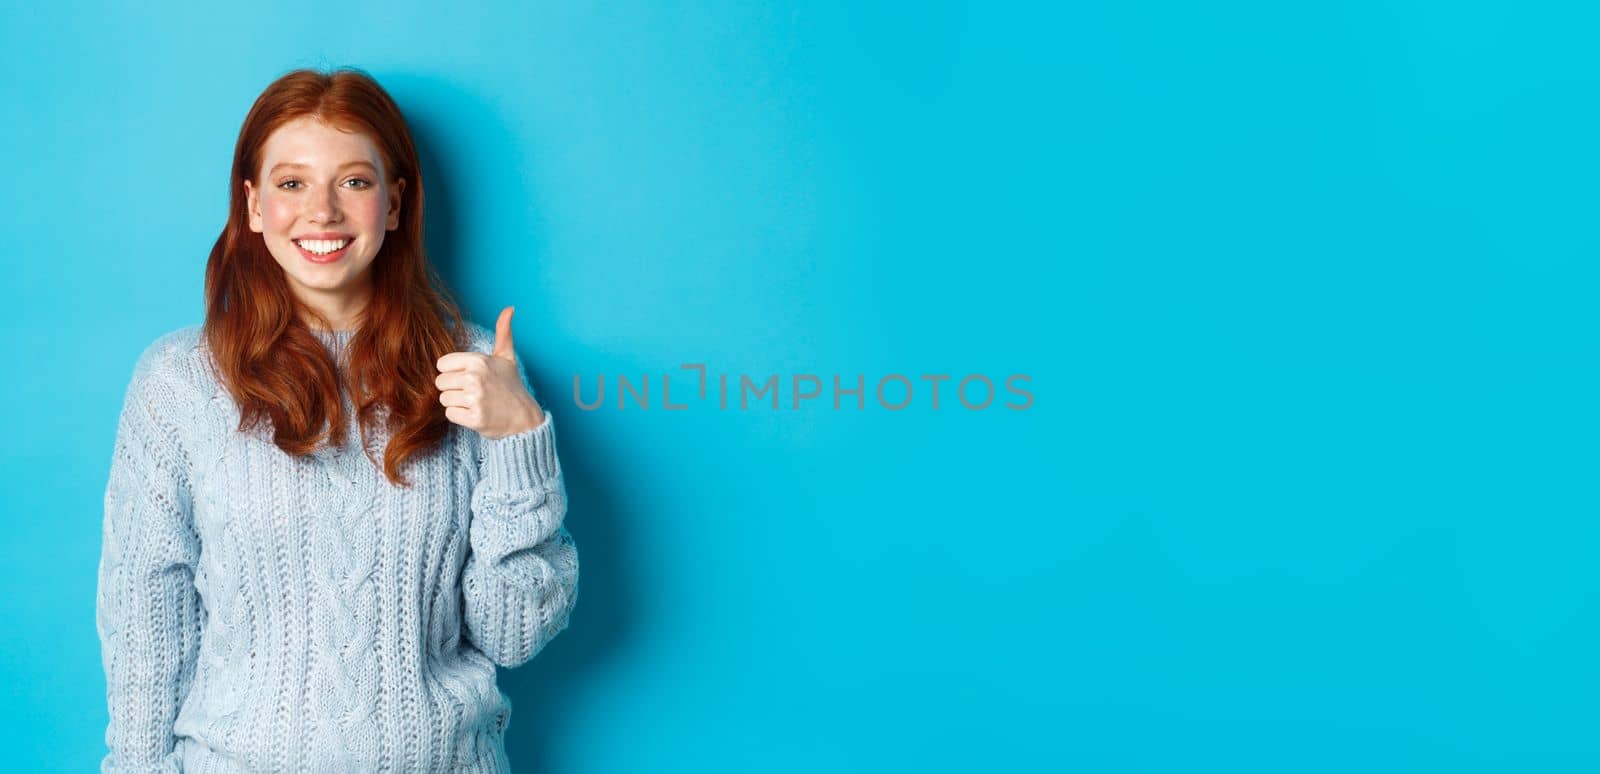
322, 246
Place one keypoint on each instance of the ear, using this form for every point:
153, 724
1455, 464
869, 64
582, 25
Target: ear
394, 203
252, 207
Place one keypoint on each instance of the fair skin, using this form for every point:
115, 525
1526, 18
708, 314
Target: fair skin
320, 182
326, 190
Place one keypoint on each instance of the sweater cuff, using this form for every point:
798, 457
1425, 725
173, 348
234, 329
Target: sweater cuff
526, 460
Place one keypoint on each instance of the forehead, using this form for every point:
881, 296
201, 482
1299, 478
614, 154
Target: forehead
315, 144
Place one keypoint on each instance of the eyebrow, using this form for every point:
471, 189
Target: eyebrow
281, 164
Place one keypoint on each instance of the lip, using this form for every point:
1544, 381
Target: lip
330, 257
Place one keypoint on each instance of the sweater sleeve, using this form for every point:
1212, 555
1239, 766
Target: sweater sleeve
520, 581
148, 612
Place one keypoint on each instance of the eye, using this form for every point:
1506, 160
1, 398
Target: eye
363, 181
284, 184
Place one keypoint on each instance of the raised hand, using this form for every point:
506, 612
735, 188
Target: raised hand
485, 392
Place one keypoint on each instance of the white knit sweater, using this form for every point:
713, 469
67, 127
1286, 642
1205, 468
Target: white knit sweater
259, 612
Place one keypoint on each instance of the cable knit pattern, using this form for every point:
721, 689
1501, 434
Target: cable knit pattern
262, 613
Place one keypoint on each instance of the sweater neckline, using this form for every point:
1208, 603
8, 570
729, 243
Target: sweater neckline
337, 340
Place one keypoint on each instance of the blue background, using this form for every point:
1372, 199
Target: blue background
1307, 296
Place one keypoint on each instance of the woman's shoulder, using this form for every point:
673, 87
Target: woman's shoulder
172, 361
479, 338
170, 347
162, 397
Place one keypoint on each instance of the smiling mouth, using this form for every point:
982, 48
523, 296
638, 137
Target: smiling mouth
322, 246
323, 250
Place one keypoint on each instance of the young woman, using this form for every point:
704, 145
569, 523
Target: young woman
271, 596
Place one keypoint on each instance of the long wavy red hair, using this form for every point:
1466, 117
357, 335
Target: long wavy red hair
279, 374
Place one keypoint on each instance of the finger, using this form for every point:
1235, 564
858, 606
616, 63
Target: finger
502, 335
459, 361
456, 398
459, 416
456, 380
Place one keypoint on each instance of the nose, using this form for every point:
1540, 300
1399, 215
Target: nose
324, 207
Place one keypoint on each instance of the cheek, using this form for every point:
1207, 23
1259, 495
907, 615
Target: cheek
278, 214
369, 210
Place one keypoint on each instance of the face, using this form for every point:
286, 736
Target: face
322, 202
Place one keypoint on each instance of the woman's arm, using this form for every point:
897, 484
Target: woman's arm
520, 581
148, 613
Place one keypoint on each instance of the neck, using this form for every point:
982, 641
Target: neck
343, 312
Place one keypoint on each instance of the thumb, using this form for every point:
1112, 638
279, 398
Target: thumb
502, 335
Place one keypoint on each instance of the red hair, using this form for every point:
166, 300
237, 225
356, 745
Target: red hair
277, 371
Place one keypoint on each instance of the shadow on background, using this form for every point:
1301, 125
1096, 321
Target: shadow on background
440, 114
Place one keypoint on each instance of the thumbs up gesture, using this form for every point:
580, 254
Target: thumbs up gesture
485, 392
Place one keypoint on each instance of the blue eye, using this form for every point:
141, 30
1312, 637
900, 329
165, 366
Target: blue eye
364, 183
286, 182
